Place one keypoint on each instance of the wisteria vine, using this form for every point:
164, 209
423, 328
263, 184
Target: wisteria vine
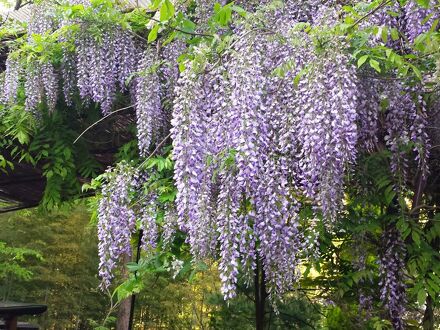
260, 130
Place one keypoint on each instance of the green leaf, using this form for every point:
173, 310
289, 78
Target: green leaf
166, 11
133, 266
240, 11
416, 237
362, 60
298, 77
152, 36
22, 137
434, 286
188, 26
394, 34
384, 35
416, 71
223, 15
155, 4
375, 65
423, 3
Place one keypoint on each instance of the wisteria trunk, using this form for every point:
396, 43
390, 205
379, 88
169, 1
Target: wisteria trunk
428, 321
125, 306
428, 317
133, 297
260, 297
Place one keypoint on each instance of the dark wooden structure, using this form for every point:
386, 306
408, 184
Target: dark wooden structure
23, 186
10, 311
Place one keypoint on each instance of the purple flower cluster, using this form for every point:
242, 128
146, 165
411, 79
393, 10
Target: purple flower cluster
116, 219
50, 82
149, 113
42, 20
418, 20
368, 113
405, 123
327, 130
244, 138
169, 73
41, 78
411, 20
68, 73
33, 87
192, 176
391, 266
12, 79
169, 226
148, 223
103, 65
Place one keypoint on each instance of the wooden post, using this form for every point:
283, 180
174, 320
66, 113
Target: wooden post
428, 316
133, 297
123, 317
260, 297
11, 322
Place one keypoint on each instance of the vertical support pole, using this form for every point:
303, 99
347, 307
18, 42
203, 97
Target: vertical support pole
133, 297
260, 296
11, 322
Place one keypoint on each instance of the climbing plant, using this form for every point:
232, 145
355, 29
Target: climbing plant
271, 136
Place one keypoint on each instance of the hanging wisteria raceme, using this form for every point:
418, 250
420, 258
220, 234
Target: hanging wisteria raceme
390, 16
328, 132
169, 73
68, 65
12, 79
418, 20
150, 116
50, 83
68, 73
41, 78
170, 226
153, 93
405, 120
368, 112
104, 65
391, 267
34, 87
280, 241
41, 83
419, 135
405, 123
83, 58
411, 19
42, 19
116, 219
191, 149
148, 225
127, 54
243, 114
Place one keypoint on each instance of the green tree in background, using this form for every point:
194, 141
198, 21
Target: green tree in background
65, 279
